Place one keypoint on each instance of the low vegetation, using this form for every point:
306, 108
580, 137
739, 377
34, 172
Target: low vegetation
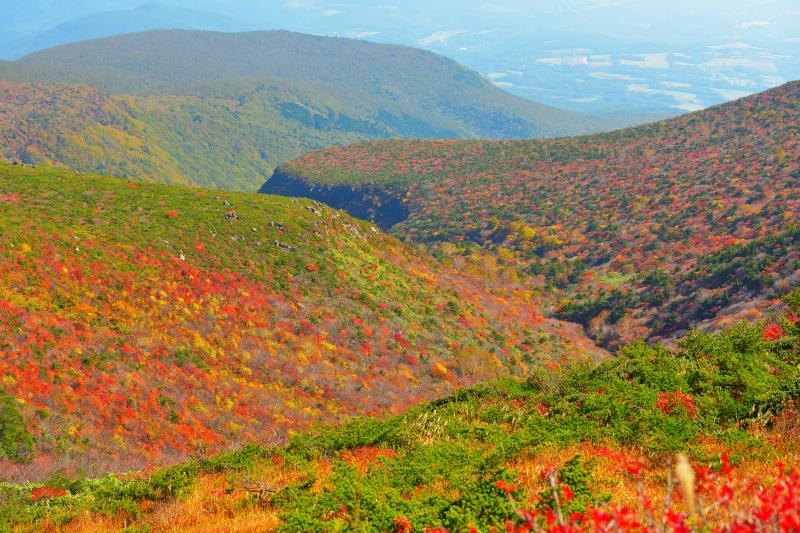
580, 447
186, 359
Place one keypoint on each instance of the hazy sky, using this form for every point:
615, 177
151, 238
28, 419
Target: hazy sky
586, 55
679, 17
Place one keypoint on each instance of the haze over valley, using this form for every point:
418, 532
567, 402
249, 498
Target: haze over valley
634, 57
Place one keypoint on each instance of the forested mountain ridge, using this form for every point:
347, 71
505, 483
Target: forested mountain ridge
223, 110
641, 232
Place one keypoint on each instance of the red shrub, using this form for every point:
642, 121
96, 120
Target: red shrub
773, 332
45, 493
669, 402
403, 525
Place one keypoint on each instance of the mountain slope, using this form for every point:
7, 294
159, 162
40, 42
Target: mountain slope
640, 232
223, 110
142, 323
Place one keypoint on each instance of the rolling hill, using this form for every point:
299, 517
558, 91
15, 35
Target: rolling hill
222, 110
141, 324
644, 232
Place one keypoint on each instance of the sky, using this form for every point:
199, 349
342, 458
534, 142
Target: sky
670, 21
586, 55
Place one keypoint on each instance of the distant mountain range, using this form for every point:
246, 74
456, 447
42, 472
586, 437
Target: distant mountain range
224, 109
149, 16
637, 59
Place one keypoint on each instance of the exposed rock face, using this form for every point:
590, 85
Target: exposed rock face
365, 203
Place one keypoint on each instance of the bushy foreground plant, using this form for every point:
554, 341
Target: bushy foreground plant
700, 499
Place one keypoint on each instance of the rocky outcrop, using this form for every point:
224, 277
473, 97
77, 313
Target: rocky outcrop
366, 203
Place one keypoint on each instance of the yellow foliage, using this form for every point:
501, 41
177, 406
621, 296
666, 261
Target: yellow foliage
527, 233
439, 369
328, 346
448, 249
506, 254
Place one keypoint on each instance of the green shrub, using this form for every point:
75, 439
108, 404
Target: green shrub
573, 485
16, 443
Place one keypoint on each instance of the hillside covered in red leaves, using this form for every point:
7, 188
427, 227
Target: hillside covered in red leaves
638, 233
141, 324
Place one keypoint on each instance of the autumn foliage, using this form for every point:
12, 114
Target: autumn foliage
773, 332
670, 401
700, 438
177, 359
644, 232
140, 324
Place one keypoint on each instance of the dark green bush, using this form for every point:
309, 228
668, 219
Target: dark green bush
16, 443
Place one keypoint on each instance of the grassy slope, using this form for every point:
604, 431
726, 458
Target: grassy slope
631, 211
600, 431
223, 110
139, 325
